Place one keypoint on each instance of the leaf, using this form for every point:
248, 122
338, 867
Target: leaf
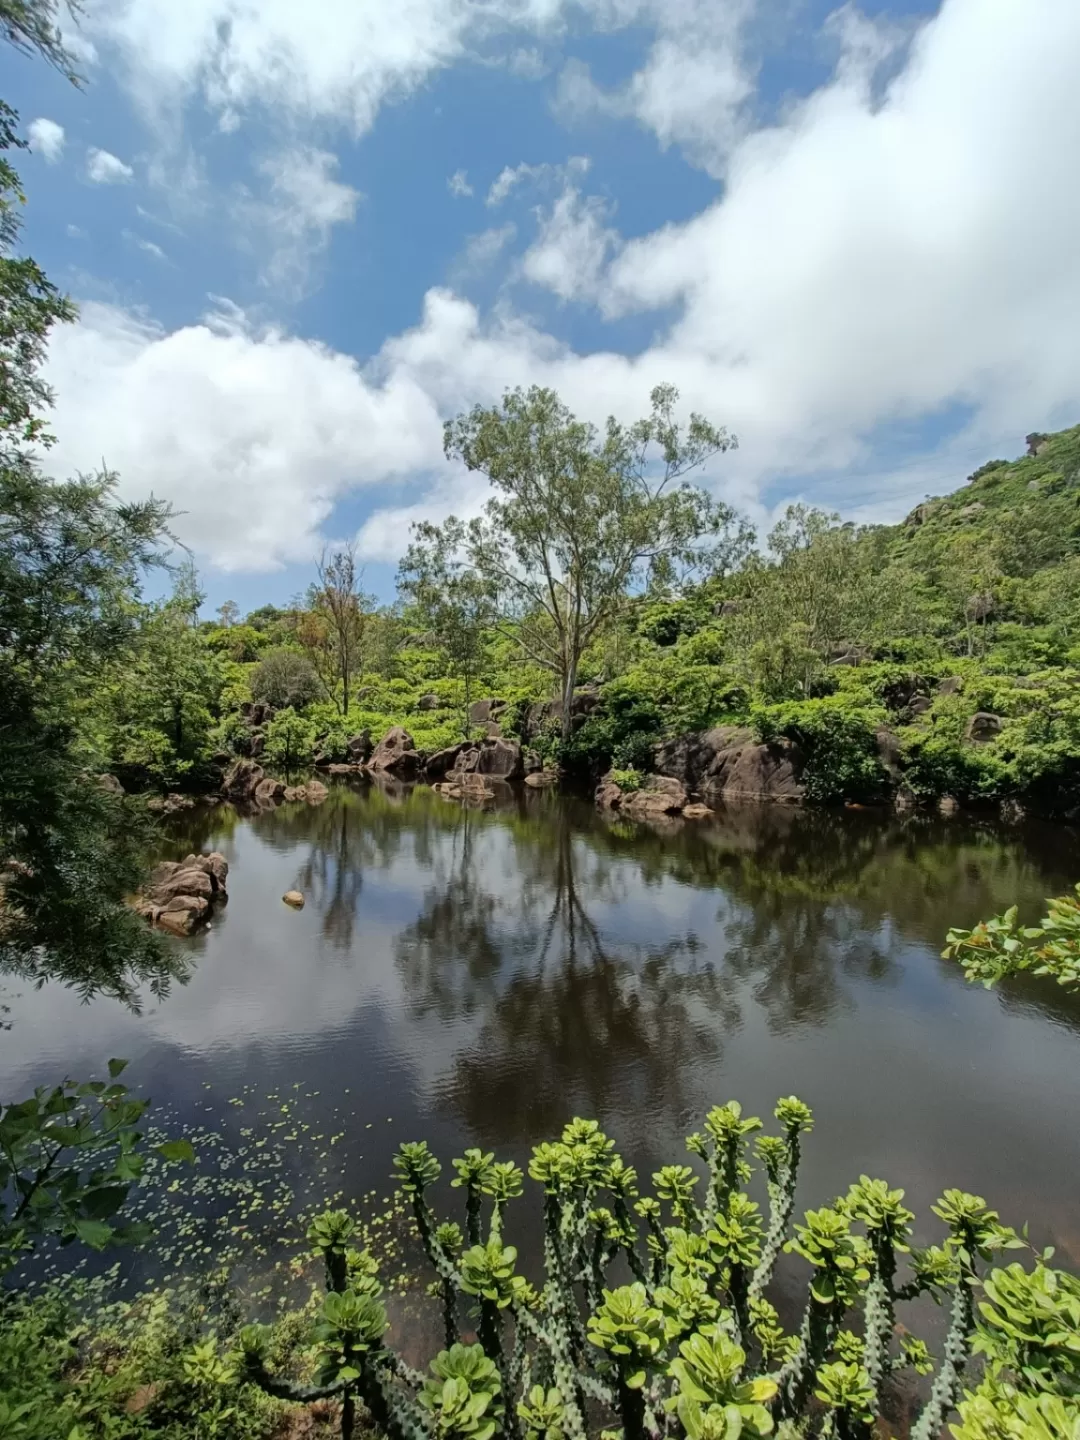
175, 1150
94, 1233
104, 1202
117, 1067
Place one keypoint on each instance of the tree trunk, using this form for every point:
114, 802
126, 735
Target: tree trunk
570, 684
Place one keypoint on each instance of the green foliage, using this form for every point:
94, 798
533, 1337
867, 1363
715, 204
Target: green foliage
838, 737
290, 740
1001, 946
284, 678
690, 1346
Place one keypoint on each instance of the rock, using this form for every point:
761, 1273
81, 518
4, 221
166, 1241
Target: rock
608, 796
442, 762
730, 762
730, 607
905, 800
269, 792
222, 759
493, 730
217, 866
550, 712
501, 760
532, 762
948, 805
951, 685
183, 914
257, 745
659, 795
341, 769
888, 749
968, 512
1012, 812
294, 899
481, 711
169, 804
542, 779
983, 726
697, 812
1036, 442
1034, 485
919, 705
294, 793
396, 755
921, 513
185, 880
242, 779
316, 792
111, 784
428, 702
360, 747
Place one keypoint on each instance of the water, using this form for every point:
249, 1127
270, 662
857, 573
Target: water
479, 978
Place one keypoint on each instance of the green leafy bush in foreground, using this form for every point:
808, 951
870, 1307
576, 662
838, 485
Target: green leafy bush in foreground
692, 1345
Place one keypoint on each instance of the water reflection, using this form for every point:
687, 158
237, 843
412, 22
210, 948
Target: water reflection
479, 977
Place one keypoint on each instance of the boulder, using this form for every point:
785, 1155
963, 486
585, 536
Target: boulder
217, 866
542, 779
550, 712
493, 730
360, 747
730, 762
905, 800
532, 762
983, 726
242, 779
608, 795
316, 792
396, 755
269, 792
948, 805
257, 744
697, 812
501, 760
919, 705
888, 749
442, 762
294, 899
1012, 812
968, 512
428, 702
481, 711
111, 784
169, 804
338, 769
184, 913
659, 795
951, 685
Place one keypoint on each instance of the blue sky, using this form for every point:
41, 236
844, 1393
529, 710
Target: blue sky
819, 222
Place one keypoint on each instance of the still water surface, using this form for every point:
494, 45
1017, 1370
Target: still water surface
479, 978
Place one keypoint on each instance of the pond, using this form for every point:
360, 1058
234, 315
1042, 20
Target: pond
480, 977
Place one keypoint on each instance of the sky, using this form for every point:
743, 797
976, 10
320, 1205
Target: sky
301, 237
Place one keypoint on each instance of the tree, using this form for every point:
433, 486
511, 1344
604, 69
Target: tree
453, 602
228, 614
31, 26
290, 740
284, 677
335, 628
579, 519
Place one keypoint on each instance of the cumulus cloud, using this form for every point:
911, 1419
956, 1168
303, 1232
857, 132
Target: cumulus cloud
46, 139
146, 246
483, 250
882, 255
458, 185
104, 168
293, 222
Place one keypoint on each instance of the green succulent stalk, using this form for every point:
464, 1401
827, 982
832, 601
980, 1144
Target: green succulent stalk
796, 1119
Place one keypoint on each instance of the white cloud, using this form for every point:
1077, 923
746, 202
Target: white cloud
331, 59
147, 246
46, 139
252, 435
573, 247
692, 87
875, 258
76, 232
458, 184
482, 250
293, 224
105, 169
511, 176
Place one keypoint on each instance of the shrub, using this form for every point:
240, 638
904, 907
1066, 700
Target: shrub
839, 741
290, 740
627, 780
691, 1346
285, 678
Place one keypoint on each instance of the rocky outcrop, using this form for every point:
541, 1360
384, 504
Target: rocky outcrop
182, 894
242, 779
428, 702
658, 797
169, 804
269, 792
314, 792
951, 685
479, 771
729, 762
542, 779
396, 755
482, 712
439, 765
360, 747
550, 712
111, 784
982, 727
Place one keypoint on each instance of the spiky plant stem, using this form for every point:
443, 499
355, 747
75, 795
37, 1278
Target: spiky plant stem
945, 1391
781, 1208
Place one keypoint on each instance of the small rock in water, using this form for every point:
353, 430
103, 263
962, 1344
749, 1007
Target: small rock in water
294, 898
